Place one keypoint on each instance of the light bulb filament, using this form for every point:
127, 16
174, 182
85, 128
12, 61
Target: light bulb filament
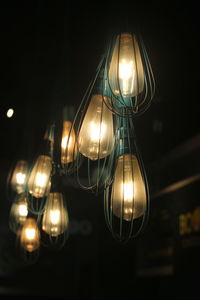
30, 233
55, 216
23, 211
20, 178
128, 191
41, 180
97, 132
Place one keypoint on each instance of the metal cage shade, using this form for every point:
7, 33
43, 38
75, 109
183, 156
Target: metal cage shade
19, 176
126, 199
55, 219
96, 136
30, 235
39, 179
128, 75
18, 212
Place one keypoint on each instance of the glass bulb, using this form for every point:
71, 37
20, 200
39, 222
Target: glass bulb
19, 176
126, 74
55, 219
128, 198
18, 212
39, 180
68, 145
30, 235
96, 137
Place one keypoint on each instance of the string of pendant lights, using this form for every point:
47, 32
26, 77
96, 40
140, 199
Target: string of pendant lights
96, 147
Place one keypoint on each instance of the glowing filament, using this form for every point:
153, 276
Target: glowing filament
125, 69
40, 180
30, 233
128, 191
23, 210
20, 178
55, 216
97, 132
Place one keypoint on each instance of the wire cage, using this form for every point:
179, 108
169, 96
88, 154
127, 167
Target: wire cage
95, 139
28, 241
18, 212
17, 179
126, 198
39, 176
128, 75
55, 219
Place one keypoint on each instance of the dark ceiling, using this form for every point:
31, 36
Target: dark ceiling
49, 54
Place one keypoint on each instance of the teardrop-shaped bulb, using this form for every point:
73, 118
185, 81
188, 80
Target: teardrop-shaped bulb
126, 73
18, 212
39, 179
96, 136
55, 219
30, 235
128, 198
68, 143
19, 177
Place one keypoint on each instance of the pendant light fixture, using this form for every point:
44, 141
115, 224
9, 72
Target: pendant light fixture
18, 212
128, 74
39, 178
30, 235
94, 123
127, 198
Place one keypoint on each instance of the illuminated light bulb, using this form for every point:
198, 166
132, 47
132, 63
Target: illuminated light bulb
128, 198
55, 220
126, 73
68, 145
96, 136
19, 176
39, 180
30, 235
10, 112
18, 213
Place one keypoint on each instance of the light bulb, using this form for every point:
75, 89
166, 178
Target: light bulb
128, 198
30, 235
126, 74
18, 212
55, 219
39, 180
19, 176
68, 145
96, 136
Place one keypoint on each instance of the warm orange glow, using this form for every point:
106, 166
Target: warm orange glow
128, 198
126, 74
68, 143
30, 235
55, 219
18, 212
19, 176
96, 137
39, 180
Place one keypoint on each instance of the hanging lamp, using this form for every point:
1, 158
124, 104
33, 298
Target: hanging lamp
94, 126
129, 79
126, 199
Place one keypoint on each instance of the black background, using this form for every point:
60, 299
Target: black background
49, 54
